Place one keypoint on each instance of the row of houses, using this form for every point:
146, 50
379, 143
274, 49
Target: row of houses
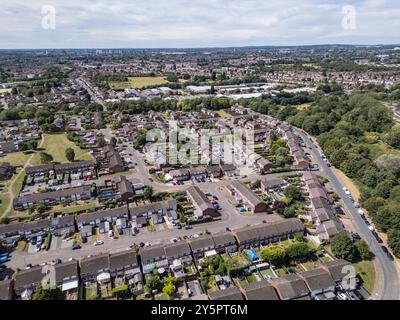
322, 213
296, 150
61, 168
52, 198
213, 171
85, 223
318, 283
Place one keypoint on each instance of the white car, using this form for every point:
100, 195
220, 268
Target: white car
371, 228
98, 243
342, 296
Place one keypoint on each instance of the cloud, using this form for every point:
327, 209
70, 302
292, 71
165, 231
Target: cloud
185, 23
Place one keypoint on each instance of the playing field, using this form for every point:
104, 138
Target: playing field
137, 83
56, 144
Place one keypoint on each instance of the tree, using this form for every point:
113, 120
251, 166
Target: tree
153, 282
298, 250
275, 255
362, 249
45, 157
101, 142
148, 193
70, 154
342, 247
47, 294
394, 241
113, 141
169, 289
292, 193
289, 212
393, 137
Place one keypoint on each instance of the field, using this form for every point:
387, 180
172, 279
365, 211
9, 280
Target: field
366, 271
56, 144
17, 159
137, 83
3, 90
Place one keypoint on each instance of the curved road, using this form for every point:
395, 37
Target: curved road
391, 282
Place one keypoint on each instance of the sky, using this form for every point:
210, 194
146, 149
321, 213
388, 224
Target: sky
31, 24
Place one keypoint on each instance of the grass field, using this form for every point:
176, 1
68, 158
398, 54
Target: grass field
17, 159
56, 144
137, 82
4, 90
366, 271
5, 200
74, 208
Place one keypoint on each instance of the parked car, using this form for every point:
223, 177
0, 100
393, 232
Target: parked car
385, 250
76, 247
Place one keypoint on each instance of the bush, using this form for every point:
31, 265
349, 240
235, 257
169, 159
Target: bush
362, 250
298, 250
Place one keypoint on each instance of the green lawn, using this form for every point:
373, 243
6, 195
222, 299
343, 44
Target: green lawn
3, 90
56, 144
16, 188
251, 278
137, 82
17, 159
366, 271
75, 208
5, 200
267, 274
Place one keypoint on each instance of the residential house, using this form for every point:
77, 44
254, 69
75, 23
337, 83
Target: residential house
252, 201
224, 242
200, 246
153, 257
318, 281
96, 268
202, 204
67, 277
6, 170
262, 290
289, 287
124, 264
232, 293
52, 198
27, 280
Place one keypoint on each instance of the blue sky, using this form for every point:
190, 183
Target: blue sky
193, 23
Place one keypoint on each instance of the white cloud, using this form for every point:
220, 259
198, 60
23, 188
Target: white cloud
178, 23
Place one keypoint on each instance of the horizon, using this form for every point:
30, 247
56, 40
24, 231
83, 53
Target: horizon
104, 24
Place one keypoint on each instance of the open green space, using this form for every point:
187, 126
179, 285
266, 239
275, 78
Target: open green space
16, 159
137, 83
5, 90
55, 145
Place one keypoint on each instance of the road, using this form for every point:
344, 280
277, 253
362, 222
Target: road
391, 287
94, 96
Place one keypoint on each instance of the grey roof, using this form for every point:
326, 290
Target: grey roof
178, 249
290, 286
152, 207
335, 268
114, 212
244, 191
317, 279
28, 277
261, 290
53, 194
152, 252
269, 230
199, 198
65, 270
123, 259
232, 293
224, 238
94, 264
202, 243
